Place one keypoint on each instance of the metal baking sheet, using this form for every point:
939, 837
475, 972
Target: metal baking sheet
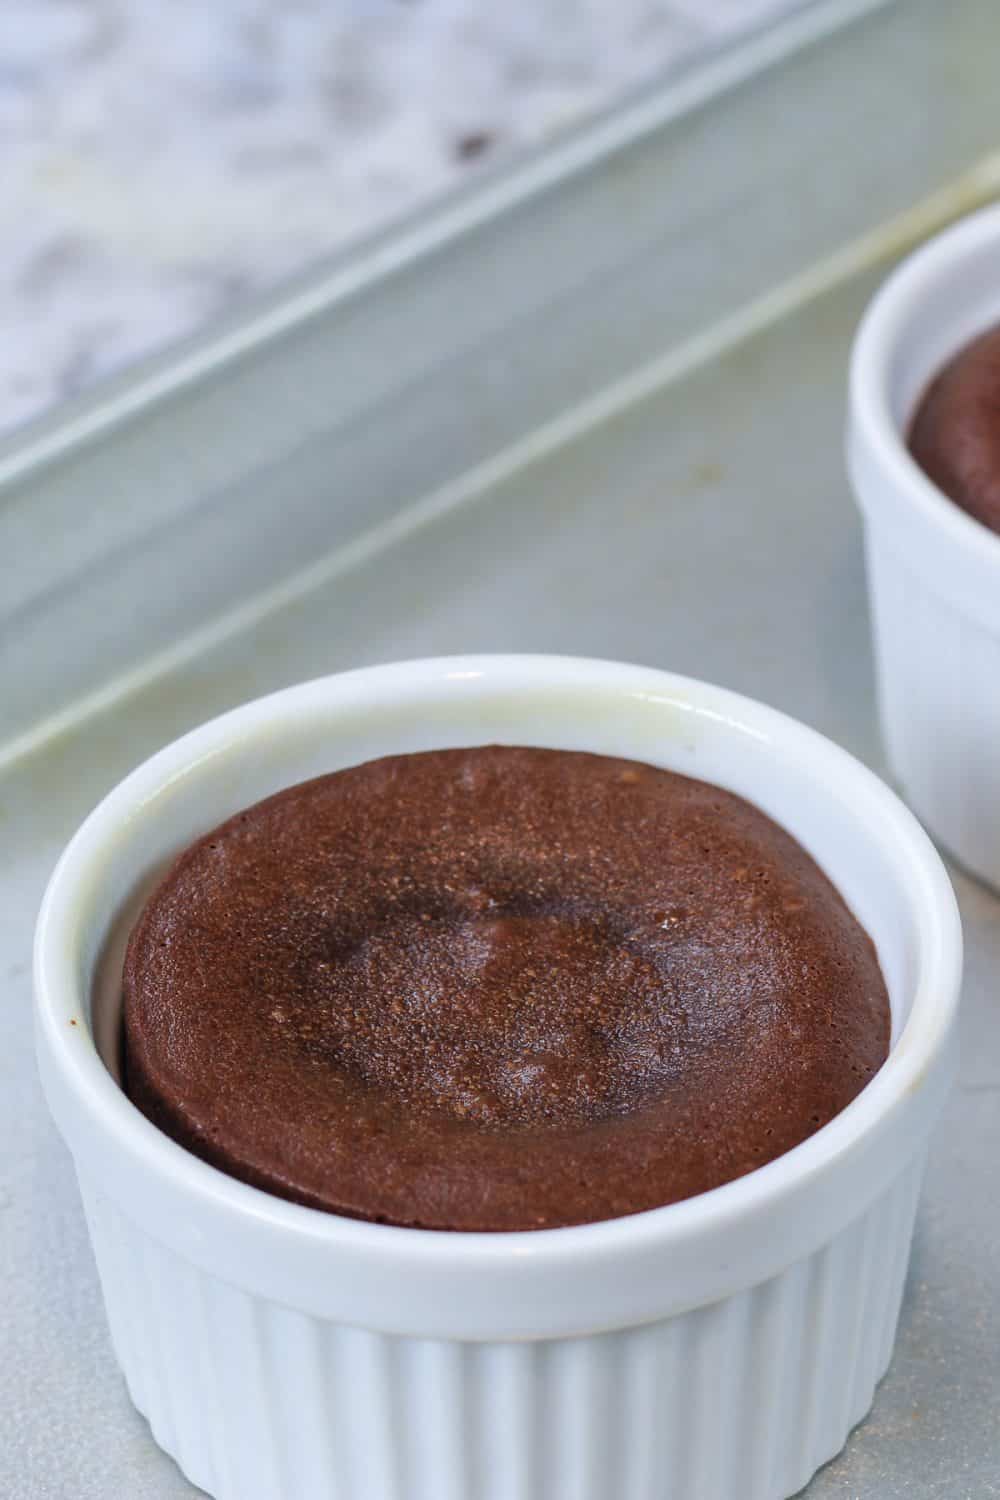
236, 461
692, 513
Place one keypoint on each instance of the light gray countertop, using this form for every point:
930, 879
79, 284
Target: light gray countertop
160, 161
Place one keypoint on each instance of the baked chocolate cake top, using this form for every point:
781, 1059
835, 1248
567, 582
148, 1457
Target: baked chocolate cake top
955, 436
498, 988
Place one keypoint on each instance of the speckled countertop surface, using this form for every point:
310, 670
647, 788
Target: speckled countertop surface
161, 160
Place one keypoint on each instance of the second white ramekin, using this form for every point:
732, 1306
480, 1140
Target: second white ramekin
934, 572
718, 1348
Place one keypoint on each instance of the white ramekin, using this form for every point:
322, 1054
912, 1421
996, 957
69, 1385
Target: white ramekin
933, 571
718, 1348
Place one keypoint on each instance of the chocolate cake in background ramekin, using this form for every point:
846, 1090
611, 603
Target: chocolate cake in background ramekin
723, 1344
955, 434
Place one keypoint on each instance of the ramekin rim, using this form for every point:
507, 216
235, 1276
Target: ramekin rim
71, 1048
